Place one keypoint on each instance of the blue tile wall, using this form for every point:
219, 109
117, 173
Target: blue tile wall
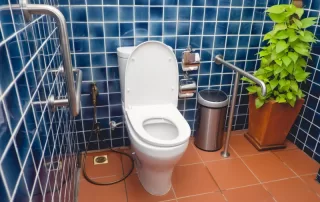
306, 131
233, 28
37, 146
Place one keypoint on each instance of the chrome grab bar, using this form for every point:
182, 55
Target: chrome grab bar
219, 60
39, 9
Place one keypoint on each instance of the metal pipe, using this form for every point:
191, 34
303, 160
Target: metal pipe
219, 60
225, 153
40, 9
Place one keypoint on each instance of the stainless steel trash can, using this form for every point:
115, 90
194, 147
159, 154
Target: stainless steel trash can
211, 118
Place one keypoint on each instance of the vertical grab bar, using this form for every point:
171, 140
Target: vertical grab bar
219, 60
73, 93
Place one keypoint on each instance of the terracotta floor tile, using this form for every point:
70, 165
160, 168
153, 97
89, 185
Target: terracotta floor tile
312, 183
213, 156
289, 145
136, 192
268, 167
254, 193
231, 173
216, 197
90, 192
190, 156
242, 146
291, 190
191, 180
113, 167
126, 162
298, 161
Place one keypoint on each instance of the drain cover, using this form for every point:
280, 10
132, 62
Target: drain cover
100, 160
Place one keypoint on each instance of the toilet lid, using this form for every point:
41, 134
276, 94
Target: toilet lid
151, 76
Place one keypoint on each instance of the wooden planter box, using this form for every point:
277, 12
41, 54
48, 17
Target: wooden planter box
270, 125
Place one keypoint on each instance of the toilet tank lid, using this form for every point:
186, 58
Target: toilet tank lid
125, 52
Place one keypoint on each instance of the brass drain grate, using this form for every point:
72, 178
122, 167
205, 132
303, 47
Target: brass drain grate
97, 160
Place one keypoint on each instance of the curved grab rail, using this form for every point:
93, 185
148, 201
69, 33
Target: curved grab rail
219, 60
73, 93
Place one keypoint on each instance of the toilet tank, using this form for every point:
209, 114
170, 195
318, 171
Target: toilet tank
123, 55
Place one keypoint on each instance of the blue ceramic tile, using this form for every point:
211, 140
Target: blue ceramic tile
5, 75
83, 60
111, 29
207, 42
126, 13
81, 45
93, 2
182, 42
95, 14
112, 59
156, 2
142, 29
126, 29
196, 28
97, 45
126, 2
98, 60
80, 29
212, 2
233, 28
221, 28
112, 45
185, 2
183, 28
247, 14
141, 2
110, 13
99, 73
156, 29
170, 28
170, 13
223, 14
78, 14
235, 14
245, 28
184, 13
156, 13
96, 30
141, 14
197, 13
210, 14
195, 41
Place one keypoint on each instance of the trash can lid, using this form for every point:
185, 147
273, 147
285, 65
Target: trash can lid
212, 98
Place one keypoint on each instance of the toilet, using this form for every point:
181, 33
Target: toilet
158, 132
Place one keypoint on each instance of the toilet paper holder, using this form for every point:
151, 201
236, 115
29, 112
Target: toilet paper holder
187, 88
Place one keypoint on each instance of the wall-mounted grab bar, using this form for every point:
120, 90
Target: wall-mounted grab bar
39, 9
219, 60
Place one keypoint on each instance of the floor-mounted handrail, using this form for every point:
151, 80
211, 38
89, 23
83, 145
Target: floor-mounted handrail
40, 9
219, 60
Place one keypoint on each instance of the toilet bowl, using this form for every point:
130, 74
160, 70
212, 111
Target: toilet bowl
158, 132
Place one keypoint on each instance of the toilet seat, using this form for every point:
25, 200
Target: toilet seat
139, 114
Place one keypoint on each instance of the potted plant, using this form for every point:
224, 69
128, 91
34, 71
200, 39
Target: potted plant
282, 68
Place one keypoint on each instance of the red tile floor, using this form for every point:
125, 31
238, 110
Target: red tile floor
247, 176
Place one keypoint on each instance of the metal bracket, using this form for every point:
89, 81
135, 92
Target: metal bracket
27, 15
53, 103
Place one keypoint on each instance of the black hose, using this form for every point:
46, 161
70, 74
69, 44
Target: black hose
95, 126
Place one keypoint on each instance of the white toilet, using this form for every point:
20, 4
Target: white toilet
158, 133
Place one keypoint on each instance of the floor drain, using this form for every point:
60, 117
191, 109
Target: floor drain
100, 160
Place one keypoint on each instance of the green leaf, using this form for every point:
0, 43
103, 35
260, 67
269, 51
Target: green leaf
289, 96
286, 60
277, 9
274, 83
297, 22
279, 62
301, 48
281, 46
299, 12
307, 37
259, 102
247, 80
282, 35
263, 53
300, 75
293, 38
294, 56
280, 99
278, 69
307, 22
281, 26
302, 62
283, 73
290, 68
252, 89
292, 101
278, 18
294, 86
